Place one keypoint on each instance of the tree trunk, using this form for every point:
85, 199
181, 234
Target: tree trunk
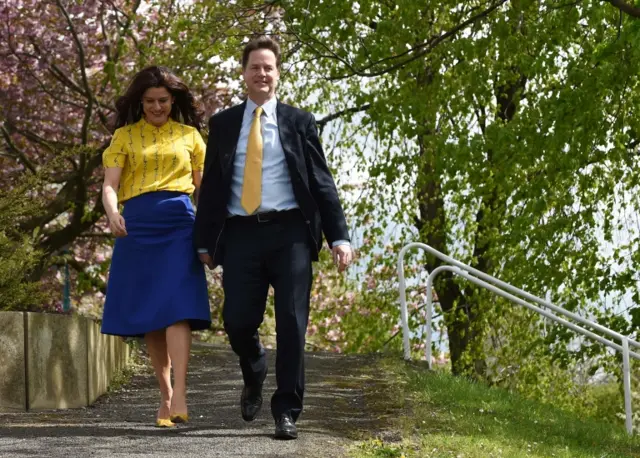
463, 314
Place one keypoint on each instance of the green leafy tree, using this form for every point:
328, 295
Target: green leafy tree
502, 133
18, 255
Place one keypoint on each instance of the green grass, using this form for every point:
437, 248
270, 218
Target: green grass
136, 365
446, 416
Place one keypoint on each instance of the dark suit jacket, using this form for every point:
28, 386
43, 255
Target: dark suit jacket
313, 186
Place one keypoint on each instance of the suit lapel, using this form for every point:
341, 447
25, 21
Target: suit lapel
287, 133
234, 125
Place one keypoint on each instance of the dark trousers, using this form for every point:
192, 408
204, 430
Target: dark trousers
259, 254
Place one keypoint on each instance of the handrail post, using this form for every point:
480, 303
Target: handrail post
427, 344
403, 305
626, 378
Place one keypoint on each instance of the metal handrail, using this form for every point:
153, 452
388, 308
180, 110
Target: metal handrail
498, 287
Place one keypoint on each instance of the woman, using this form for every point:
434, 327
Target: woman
157, 287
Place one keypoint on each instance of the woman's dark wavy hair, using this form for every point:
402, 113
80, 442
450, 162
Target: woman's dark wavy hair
185, 108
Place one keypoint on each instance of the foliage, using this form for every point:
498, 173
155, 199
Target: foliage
502, 133
346, 316
18, 256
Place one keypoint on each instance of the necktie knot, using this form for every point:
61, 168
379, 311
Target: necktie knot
258, 112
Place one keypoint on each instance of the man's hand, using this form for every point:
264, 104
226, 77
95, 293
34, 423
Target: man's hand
117, 226
206, 259
342, 256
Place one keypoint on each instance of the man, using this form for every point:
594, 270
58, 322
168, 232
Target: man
266, 197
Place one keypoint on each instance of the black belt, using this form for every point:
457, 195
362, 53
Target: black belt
267, 217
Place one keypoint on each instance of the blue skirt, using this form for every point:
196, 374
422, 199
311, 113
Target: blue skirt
156, 279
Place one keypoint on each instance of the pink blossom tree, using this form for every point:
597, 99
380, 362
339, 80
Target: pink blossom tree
62, 64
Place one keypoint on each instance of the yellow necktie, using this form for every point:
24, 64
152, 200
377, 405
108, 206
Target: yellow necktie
252, 184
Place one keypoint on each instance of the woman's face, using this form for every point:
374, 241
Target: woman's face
156, 105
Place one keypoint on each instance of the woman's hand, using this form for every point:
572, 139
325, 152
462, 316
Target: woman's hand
117, 225
110, 200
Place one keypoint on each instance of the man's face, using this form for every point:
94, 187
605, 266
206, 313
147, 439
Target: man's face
261, 74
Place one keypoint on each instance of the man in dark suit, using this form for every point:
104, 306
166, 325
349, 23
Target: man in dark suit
267, 196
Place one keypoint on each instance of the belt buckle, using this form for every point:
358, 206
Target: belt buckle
261, 220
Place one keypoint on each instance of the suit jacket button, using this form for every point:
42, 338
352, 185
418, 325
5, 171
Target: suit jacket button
308, 222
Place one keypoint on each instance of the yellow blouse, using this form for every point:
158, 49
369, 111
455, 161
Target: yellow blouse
155, 158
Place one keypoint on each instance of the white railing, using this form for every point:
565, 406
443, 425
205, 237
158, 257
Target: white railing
499, 287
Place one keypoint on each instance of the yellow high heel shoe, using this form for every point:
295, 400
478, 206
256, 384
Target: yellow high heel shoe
180, 418
164, 423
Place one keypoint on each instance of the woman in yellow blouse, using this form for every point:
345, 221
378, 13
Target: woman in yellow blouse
156, 287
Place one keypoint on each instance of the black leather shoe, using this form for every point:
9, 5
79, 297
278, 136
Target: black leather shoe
251, 400
286, 428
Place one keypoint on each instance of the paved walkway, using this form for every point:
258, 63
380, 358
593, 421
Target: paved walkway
120, 423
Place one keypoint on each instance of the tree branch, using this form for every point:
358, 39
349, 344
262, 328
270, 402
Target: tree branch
126, 29
625, 7
53, 209
418, 51
564, 5
99, 235
18, 153
33, 75
83, 73
322, 122
31, 136
107, 44
65, 194
80, 223
56, 72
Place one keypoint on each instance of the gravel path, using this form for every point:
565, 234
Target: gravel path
338, 410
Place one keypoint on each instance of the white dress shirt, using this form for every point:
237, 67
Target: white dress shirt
277, 190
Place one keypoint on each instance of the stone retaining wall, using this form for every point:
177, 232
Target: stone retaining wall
50, 361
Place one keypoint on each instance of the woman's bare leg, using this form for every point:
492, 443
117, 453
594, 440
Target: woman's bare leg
179, 347
157, 348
